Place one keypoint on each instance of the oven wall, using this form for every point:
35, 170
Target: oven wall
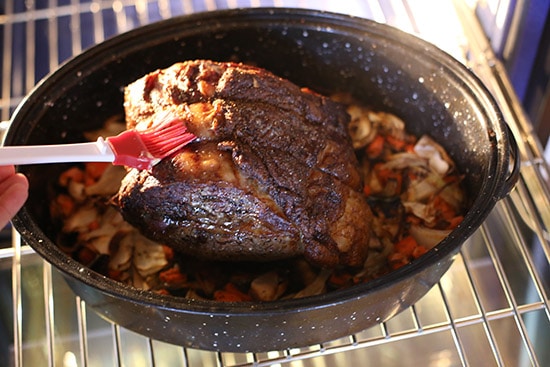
519, 33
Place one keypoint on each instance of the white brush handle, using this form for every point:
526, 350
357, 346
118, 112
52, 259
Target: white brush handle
98, 151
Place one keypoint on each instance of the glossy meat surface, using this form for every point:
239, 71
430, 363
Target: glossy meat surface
271, 175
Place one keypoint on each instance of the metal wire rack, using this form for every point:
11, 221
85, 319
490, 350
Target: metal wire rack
491, 308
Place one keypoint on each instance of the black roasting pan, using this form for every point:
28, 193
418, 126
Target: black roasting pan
381, 66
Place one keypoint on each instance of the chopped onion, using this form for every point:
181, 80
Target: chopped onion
318, 286
422, 211
454, 195
149, 256
405, 160
438, 160
108, 183
121, 259
428, 237
388, 123
424, 188
81, 219
419, 190
267, 287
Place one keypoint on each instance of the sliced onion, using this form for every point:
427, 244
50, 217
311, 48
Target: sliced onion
454, 195
149, 256
267, 287
420, 210
428, 237
318, 286
121, 259
419, 190
438, 159
108, 183
80, 220
387, 124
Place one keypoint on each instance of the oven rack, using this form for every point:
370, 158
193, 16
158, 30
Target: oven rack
491, 308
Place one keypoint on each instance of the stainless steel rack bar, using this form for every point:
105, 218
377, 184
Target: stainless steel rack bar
491, 308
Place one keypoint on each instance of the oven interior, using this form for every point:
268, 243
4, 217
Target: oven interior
493, 302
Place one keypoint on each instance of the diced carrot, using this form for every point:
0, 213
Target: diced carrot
172, 276
397, 260
406, 246
395, 143
419, 251
409, 148
376, 146
391, 181
163, 292
66, 204
230, 293
230, 287
383, 173
367, 190
224, 296
340, 279
94, 170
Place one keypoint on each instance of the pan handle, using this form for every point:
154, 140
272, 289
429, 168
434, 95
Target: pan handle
514, 166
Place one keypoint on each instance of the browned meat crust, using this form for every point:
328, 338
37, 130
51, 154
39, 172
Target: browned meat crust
272, 174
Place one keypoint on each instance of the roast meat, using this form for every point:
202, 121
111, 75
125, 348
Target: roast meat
271, 175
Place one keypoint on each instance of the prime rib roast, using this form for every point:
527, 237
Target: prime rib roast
271, 175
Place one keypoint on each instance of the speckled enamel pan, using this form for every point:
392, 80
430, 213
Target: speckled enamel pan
381, 66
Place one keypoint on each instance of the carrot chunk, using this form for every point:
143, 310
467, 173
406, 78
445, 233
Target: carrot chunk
230, 293
406, 246
375, 148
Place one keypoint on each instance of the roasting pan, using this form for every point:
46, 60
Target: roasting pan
379, 65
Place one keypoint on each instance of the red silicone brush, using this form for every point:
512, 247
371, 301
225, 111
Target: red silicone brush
132, 148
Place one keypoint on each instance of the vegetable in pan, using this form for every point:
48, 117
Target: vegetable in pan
411, 185
282, 195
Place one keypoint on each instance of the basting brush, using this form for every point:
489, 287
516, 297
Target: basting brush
131, 148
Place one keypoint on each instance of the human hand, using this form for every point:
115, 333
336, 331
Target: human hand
14, 190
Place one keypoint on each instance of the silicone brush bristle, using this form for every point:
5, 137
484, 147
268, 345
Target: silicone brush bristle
143, 149
166, 138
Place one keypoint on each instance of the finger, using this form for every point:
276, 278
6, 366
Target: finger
13, 193
6, 171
